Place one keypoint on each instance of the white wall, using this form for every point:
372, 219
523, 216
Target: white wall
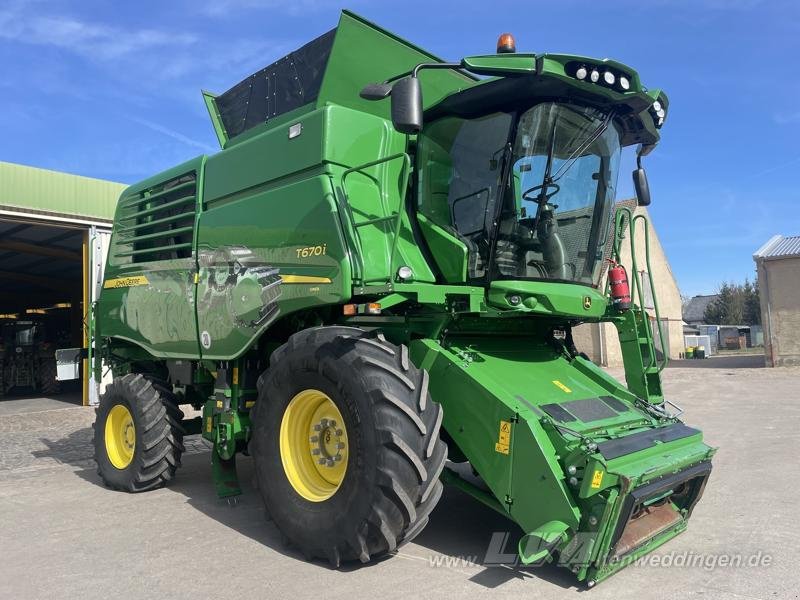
600, 341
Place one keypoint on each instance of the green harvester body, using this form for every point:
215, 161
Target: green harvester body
306, 217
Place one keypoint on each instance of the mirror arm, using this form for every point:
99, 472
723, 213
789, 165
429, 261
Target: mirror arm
379, 91
419, 67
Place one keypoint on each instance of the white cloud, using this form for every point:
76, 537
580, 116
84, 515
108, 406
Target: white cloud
175, 135
98, 41
786, 118
223, 8
159, 54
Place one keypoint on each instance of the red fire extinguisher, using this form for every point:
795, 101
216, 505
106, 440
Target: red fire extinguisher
620, 291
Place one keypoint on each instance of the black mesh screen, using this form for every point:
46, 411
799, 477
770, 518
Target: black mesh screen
286, 84
590, 409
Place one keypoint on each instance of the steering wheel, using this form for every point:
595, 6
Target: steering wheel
543, 188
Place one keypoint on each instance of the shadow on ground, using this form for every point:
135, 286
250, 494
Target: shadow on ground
76, 449
463, 527
446, 534
745, 361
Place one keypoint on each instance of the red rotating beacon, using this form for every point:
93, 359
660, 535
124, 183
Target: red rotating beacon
620, 291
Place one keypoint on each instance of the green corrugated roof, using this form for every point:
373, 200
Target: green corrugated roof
41, 191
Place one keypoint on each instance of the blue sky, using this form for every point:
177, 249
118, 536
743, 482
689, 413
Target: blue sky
111, 90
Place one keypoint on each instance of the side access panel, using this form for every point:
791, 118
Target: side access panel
264, 255
148, 294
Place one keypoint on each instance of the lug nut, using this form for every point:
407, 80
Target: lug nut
313, 439
572, 470
322, 461
317, 427
330, 462
573, 481
315, 451
339, 432
592, 520
340, 446
338, 458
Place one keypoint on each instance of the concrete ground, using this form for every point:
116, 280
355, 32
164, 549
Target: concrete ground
64, 535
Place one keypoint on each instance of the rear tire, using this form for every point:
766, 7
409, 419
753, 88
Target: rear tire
48, 384
394, 454
138, 438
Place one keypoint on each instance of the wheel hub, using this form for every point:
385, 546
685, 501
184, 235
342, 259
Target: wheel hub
327, 442
120, 436
130, 435
313, 445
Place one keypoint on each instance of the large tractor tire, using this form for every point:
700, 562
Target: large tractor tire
48, 384
138, 438
346, 444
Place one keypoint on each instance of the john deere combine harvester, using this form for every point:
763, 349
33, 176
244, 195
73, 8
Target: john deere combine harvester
362, 286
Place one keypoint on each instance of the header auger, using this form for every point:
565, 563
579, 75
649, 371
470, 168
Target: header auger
364, 288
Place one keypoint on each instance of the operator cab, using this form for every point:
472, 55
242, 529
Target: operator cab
528, 191
519, 171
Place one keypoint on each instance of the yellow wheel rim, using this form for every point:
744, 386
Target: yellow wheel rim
120, 436
313, 444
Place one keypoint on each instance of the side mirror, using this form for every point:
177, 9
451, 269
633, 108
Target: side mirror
407, 105
641, 186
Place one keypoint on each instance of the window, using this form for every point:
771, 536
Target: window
462, 171
552, 206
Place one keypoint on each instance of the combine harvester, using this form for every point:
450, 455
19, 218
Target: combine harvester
363, 289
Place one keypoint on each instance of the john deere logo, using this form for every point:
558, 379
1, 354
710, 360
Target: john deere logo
587, 302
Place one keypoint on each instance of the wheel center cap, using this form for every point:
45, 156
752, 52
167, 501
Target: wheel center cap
130, 435
326, 443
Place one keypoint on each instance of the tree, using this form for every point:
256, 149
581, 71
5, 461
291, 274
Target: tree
752, 305
736, 304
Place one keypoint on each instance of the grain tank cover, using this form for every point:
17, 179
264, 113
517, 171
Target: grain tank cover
288, 83
331, 69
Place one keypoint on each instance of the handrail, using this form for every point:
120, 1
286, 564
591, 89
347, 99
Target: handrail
404, 176
637, 284
664, 351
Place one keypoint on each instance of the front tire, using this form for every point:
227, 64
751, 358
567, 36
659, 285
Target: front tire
138, 439
379, 492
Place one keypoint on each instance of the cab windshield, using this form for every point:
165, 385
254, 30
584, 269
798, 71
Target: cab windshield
528, 193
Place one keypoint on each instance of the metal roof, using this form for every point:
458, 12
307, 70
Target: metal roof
40, 191
779, 246
695, 309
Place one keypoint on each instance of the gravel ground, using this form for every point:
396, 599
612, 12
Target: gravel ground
64, 535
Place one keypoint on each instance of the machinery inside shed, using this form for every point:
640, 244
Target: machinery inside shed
42, 283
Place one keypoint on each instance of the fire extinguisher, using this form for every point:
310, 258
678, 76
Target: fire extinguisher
620, 291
